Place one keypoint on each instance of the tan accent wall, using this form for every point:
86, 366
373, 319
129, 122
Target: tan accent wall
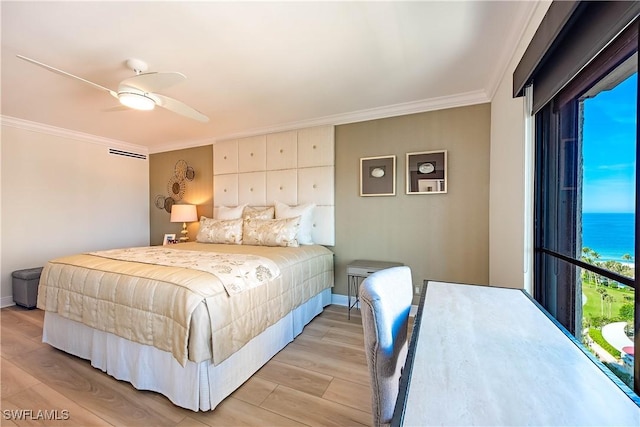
198, 192
440, 236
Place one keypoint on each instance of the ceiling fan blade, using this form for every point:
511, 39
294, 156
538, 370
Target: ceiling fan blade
178, 107
153, 82
64, 73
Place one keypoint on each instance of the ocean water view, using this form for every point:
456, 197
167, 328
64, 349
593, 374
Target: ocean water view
609, 234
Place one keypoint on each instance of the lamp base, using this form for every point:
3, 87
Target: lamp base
184, 232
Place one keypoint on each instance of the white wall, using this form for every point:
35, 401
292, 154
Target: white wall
507, 225
61, 196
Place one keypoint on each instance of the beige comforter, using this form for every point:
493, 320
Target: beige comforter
179, 310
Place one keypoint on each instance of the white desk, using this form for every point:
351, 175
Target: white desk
491, 356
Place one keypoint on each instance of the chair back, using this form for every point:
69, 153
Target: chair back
385, 298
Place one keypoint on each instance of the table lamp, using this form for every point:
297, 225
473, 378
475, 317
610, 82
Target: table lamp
184, 214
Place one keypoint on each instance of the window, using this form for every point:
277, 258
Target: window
586, 233
586, 212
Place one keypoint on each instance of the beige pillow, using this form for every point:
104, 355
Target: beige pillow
227, 231
305, 212
258, 213
225, 212
271, 232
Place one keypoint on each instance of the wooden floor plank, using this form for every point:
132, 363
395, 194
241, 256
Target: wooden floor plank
255, 390
234, 412
316, 330
115, 401
7, 423
320, 378
305, 358
190, 422
355, 395
296, 378
352, 325
13, 379
18, 322
50, 408
14, 345
331, 349
339, 336
312, 410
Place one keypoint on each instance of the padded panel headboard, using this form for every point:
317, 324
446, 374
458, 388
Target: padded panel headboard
293, 167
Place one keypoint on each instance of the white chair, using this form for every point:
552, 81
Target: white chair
385, 298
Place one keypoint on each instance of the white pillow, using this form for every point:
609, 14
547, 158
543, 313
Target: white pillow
305, 212
258, 213
227, 231
271, 232
225, 212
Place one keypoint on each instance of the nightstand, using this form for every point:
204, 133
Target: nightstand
357, 271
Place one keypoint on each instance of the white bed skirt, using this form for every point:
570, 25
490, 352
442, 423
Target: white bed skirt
196, 386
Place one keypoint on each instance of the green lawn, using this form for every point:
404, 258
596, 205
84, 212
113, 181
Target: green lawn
593, 309
593, 306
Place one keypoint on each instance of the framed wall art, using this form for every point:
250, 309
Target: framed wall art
427, 172
378, 176
169, 239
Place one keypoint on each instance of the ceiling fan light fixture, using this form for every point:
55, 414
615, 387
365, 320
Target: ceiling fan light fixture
136, 101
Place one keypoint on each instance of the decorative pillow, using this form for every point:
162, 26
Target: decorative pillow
305, 212
271, 232
258, 213
228, 231
225, 212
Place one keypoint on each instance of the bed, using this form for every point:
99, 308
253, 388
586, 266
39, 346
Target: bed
96, 308
210, 337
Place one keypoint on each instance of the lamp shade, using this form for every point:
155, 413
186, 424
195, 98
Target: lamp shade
184, 213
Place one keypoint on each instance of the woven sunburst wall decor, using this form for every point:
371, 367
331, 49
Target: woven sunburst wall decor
177, 185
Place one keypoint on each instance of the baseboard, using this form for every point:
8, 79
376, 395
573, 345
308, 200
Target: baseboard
338, 299
6, 302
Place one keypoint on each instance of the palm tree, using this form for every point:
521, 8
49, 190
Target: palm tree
629, 270
608, 299
603, 294
592, 257
587, 257
596, 257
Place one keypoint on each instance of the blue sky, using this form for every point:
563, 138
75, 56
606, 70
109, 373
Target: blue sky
609, 149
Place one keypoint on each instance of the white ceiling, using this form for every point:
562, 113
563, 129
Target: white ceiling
252, 67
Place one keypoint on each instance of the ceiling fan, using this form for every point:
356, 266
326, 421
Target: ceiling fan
139, 92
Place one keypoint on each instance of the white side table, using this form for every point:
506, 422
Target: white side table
357, 271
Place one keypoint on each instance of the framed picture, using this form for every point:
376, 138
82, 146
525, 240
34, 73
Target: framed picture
378, 176
168, 239
427, 172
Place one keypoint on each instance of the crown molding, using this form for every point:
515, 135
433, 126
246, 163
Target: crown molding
508, 53
70, 134
181, 145
422, 106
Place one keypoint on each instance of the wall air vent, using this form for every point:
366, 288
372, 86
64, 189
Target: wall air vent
127, 154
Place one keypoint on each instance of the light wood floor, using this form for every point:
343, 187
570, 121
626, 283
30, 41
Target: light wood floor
320, 379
